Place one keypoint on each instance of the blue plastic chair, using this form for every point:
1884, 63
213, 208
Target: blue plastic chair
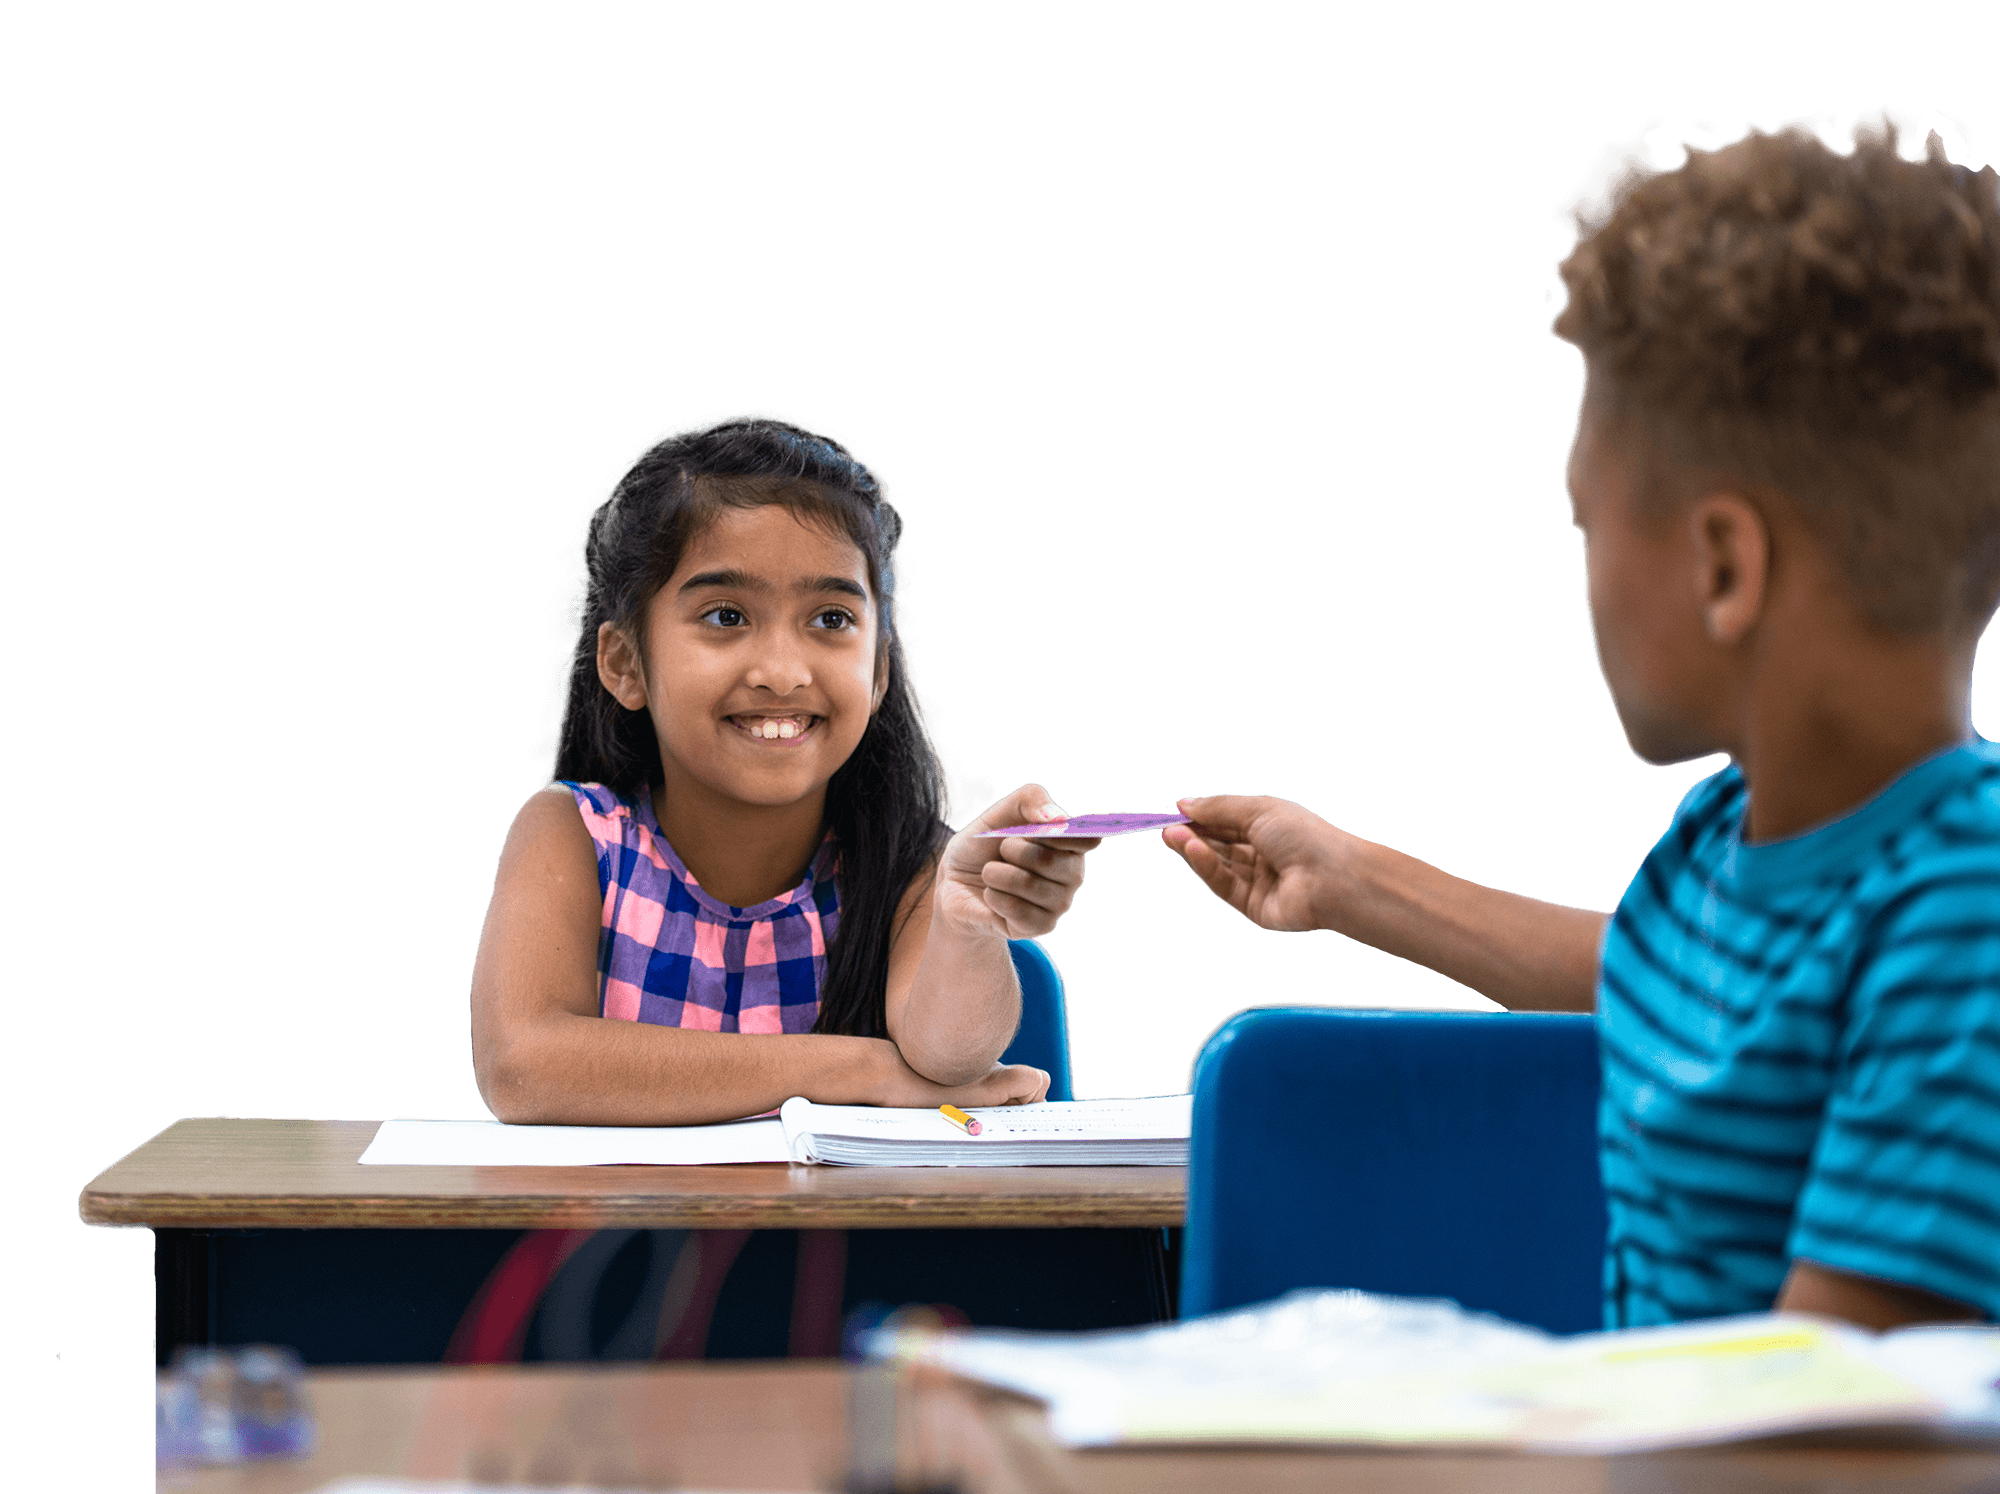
1042, 1039
1422, 1154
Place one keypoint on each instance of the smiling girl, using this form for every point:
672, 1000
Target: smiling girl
742, 887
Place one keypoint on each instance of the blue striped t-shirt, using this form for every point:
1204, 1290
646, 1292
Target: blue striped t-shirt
1801, 1044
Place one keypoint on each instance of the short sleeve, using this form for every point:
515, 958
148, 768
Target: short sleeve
1904, 1184
605, 817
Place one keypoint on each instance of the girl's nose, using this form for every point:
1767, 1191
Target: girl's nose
779, 665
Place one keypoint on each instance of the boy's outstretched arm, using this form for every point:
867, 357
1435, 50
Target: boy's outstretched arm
1283, 867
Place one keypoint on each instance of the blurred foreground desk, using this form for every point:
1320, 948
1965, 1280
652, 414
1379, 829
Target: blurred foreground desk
255, 1219
783, 1427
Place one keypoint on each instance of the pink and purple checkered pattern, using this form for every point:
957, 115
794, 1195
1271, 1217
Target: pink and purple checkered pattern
672, 955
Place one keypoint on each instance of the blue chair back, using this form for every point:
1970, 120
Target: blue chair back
1042, 1039
1421, 1154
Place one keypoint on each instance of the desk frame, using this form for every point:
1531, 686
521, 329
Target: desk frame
200, 1177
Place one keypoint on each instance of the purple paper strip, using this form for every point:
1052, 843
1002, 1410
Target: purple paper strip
1086, 826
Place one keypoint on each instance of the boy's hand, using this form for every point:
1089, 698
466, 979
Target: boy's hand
1013, 888
1269, 859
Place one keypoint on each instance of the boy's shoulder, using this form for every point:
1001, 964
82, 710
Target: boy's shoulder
1938, 823
1921, 939
1705, 824
1904, 888
1948, 839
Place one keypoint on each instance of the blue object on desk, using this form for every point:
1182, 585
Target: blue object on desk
1422, 1154
1042, 1039
232, 1406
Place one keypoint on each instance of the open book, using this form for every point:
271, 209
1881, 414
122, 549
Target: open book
1075, 1133
1083, 1133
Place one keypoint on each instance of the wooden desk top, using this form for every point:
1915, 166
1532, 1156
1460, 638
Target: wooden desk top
783, 1427
277, 1174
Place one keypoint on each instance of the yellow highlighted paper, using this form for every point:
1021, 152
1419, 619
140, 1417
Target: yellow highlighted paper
1601, 1393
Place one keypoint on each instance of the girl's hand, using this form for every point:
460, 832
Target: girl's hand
896, 1083
1272, 861
1014, 888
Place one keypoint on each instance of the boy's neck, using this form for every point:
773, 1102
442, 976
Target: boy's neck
1828, 729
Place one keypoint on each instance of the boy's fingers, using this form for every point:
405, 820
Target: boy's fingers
1220, 875
1228, 816
1196, 840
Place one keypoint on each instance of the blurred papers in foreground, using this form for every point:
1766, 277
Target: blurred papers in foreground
1349, 1367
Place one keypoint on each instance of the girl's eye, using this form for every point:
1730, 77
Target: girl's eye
845, 623
834, 620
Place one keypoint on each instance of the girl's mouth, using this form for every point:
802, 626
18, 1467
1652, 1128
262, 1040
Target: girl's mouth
775, 728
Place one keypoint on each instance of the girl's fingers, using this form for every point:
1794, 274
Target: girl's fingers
1060, 859
1024, 919
1030, 804
1052, 870
1041, 891
1003, 1084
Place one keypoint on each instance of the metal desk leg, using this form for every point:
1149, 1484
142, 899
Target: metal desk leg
183, 1289
1163, 1272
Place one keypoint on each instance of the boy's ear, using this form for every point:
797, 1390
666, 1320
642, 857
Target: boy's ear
618, 667
1732, 545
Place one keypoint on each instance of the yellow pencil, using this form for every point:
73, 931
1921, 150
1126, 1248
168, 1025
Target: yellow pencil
960, 1119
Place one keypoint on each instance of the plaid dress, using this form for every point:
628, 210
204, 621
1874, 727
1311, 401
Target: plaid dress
671, 954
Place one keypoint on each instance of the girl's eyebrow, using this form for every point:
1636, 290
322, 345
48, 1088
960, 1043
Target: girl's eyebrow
731, 579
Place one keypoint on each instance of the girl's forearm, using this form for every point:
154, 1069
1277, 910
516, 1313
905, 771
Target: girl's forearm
1518, 951
961, 1009
562, 1068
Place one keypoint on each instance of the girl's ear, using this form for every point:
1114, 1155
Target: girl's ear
619, 668
881, 682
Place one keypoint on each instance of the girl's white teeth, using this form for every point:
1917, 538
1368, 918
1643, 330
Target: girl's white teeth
771, 731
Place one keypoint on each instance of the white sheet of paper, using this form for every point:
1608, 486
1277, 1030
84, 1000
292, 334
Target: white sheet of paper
429, 1143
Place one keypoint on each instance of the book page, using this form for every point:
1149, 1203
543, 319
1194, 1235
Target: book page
1154, 1118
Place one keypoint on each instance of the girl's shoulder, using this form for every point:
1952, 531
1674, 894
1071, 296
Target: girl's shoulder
608, 815
558, 802
593, 799
547, 833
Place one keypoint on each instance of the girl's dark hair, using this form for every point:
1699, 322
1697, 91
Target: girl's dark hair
885, 805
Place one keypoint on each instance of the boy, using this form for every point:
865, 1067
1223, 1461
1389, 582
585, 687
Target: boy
1787, 473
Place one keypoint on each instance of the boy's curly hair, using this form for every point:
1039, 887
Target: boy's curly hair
1826, 325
